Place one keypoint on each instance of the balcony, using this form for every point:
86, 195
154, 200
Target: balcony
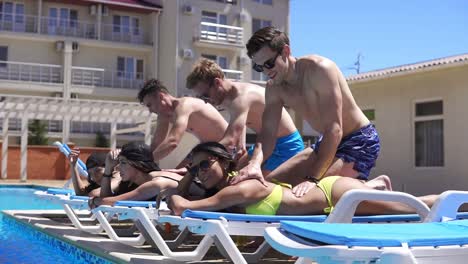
120, 33
30, 72
218, 34
233, 75
54, 26
97, 77
68, 27
18, 23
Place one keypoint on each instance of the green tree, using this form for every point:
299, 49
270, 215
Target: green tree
37, 133
101, 140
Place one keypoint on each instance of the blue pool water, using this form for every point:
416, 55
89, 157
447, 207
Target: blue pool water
20, 243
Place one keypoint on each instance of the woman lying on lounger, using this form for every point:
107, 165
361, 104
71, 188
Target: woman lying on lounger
137, 168
95, 167
213, 166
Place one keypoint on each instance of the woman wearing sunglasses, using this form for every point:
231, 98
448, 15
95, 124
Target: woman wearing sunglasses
214, 167
143, 176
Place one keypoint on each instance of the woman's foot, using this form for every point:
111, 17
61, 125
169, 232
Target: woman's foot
381, 183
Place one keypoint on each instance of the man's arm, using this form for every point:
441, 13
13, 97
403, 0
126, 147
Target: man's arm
330, 112
160, 133
174, 136
233, 137
266, 139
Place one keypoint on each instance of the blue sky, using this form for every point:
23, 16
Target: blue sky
386, 32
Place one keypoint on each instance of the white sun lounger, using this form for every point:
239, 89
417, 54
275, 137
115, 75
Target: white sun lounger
431, 241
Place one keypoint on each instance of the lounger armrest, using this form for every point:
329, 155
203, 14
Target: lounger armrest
346, 207
446, 206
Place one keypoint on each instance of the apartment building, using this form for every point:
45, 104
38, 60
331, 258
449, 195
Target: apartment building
105, 49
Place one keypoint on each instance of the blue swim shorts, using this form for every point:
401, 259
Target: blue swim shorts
286, 147
361, 147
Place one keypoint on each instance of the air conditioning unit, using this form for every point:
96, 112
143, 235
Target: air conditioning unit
188, 9
92, 10
59, 45
75, 46
105, 10
187, 54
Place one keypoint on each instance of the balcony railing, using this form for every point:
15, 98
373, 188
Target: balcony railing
71, 28
30, 72
97, 77
18, 23
233, 75
119, 33
68, 27
222, 34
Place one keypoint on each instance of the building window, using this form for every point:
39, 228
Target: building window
256, 25
370, 114
130, 68
265, 2
126, 25
214, 32
3, 56
221, 61
12, 16
429, 134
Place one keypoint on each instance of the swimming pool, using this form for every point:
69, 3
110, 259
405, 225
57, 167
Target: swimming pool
20, 243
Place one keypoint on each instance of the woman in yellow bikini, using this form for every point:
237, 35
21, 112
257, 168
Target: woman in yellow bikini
214, 167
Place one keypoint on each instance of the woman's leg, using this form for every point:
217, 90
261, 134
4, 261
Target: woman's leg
343, 185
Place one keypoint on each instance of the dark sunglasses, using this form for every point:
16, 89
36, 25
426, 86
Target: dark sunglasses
269, 64
203, 165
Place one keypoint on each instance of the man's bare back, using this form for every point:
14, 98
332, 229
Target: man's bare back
302, 95
253, 97
205, 122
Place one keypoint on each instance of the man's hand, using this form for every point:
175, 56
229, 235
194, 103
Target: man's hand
251, 171
302, 188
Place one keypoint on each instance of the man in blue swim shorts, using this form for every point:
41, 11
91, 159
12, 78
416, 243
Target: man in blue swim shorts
245, 103
314, 87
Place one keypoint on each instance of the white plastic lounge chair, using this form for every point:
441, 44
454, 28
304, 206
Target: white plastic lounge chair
427, 242
75, 207
134, 210
222, 226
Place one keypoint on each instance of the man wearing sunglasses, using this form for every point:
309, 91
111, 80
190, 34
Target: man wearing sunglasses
177, 116
315, 88
245, 103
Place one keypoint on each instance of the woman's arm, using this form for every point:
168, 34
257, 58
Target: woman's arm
78, 183
142, 193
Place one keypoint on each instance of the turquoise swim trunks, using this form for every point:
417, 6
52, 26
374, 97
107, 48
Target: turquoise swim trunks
286, 147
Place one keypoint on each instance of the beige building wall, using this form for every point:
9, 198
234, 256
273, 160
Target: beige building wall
394, 101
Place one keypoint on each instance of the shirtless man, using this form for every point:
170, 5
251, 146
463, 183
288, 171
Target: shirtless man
178, 115
314, 87
245, 103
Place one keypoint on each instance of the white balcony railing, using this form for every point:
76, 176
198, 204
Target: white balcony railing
68, 27
18, 23
97, 77
119, 33
233, 75
219, 33
30, 72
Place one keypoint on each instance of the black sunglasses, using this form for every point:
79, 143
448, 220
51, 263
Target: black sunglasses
269, 64
203, 165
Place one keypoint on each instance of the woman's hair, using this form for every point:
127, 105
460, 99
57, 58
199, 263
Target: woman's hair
139, 155
218, 150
